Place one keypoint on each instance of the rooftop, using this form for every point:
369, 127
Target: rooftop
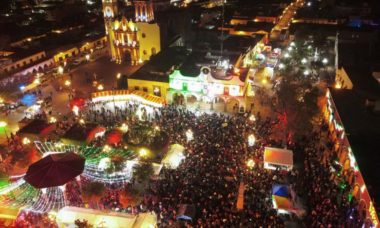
160, 66
362, 127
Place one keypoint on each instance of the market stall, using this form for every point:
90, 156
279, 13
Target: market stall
277, 158
36, 130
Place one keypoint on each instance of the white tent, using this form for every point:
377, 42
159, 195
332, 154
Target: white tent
174, 156
278, 158
66, 218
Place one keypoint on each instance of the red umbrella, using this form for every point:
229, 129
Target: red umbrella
55, 170
114, 136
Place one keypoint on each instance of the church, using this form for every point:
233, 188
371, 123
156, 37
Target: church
133, 40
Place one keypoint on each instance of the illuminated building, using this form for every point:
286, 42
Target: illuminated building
132, 41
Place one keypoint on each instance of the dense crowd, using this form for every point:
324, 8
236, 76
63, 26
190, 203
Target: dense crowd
215, 166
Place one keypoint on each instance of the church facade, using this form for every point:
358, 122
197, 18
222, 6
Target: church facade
132, 40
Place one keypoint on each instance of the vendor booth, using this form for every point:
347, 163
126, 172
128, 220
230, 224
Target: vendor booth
66, 218
36, 130
281, 198
277, 158
82, 134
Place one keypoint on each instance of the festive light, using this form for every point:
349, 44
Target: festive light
52, 119
60, 70
143, 152
87, 57
75, 110
338, 85
252, 118
106, 148
250, 163
251, 140
81, 121
118, 76
124, 128
67, 83
25, 141
304, 61
100, 87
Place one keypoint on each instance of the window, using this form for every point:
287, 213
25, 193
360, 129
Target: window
137, 88
143, 35
145, 89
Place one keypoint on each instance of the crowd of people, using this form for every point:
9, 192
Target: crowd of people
215, 166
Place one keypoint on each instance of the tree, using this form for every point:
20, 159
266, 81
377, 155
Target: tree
143, 171
117, 164
93, 189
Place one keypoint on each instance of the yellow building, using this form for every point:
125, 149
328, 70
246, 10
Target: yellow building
131, 41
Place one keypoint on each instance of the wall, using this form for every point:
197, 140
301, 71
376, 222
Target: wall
23, 62
149, 85
150, 41
342, 80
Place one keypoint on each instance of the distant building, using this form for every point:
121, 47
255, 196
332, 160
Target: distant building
133, 41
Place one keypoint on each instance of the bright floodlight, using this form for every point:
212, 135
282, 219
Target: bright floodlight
325, 61
251, 140
189, 135
304, 61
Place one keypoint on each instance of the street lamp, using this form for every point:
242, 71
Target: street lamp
325, 61
118, 76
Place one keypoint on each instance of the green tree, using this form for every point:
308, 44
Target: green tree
143, 171
93, 189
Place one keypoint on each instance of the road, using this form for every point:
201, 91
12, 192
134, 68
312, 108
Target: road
105, 70
286, 18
